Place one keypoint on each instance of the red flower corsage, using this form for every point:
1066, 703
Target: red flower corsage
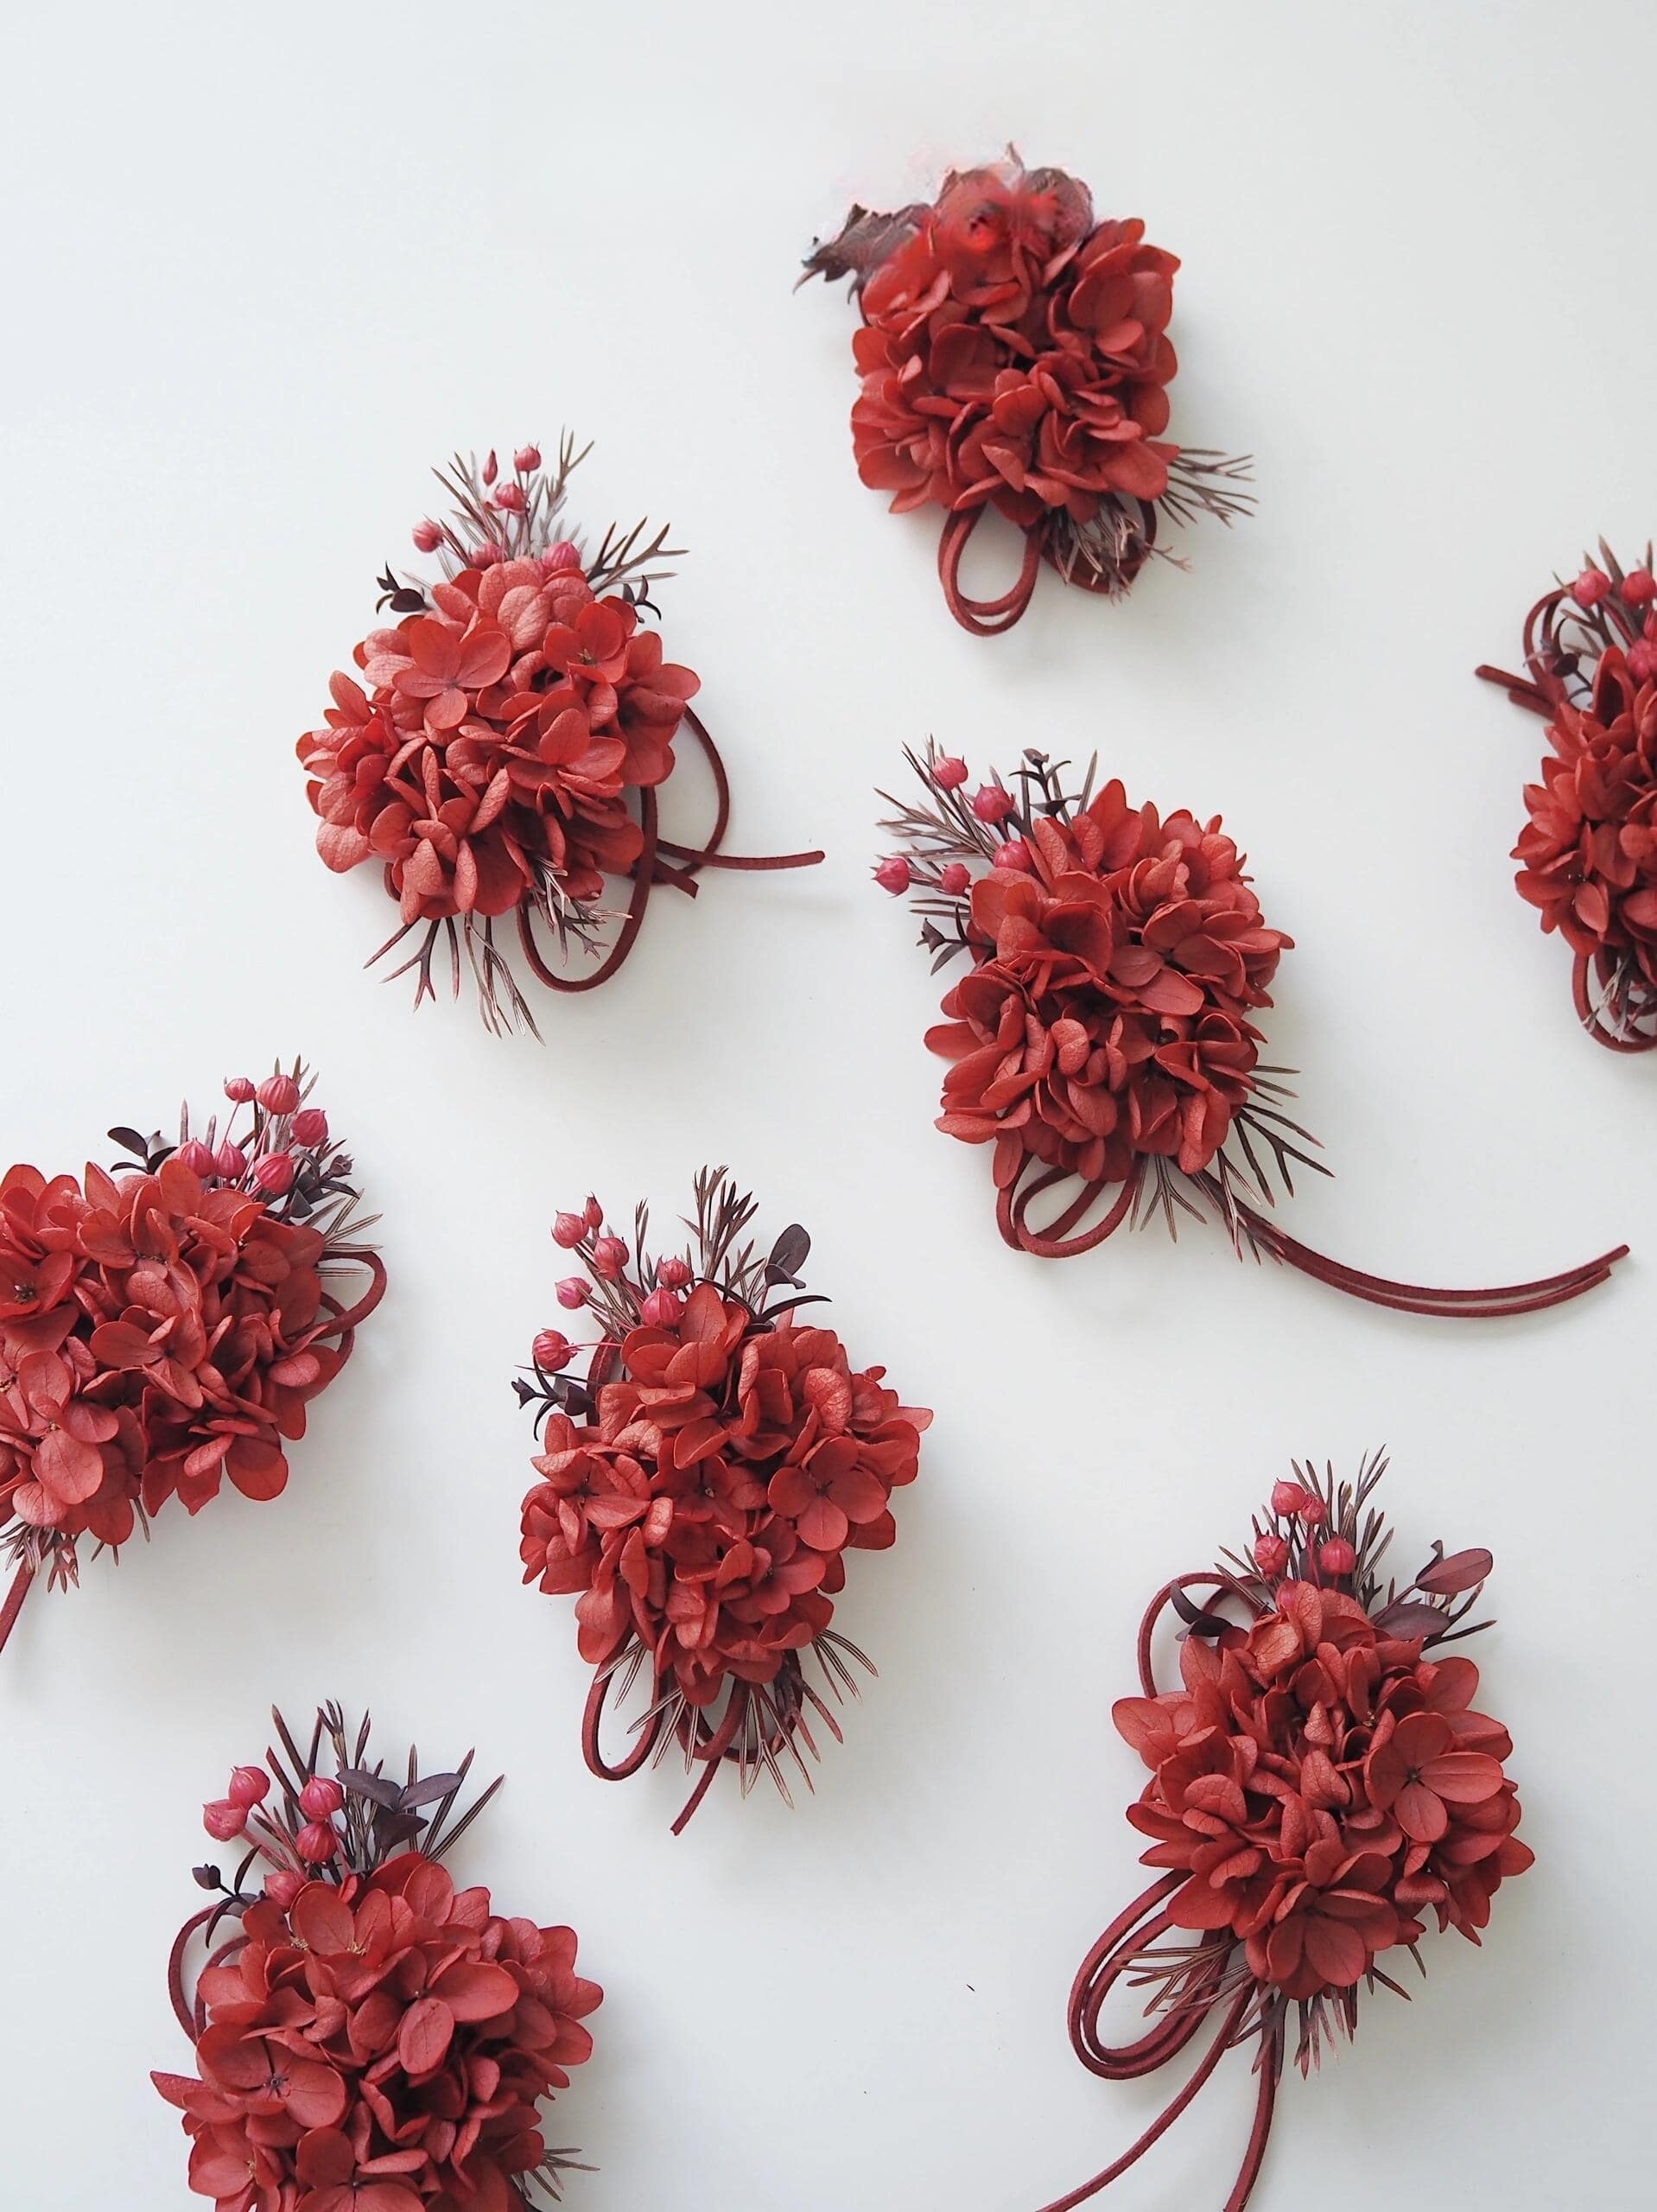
700, 1487
1320, 1786
501, 756
165, 1323
1015, 354
1102, 1041
370, 2039
1588, 857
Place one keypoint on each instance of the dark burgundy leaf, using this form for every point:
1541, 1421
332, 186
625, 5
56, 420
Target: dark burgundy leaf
1448, 1578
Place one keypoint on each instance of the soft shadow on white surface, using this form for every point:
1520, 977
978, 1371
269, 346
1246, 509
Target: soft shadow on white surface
259, 277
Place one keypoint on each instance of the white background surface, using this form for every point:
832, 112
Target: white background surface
258, 275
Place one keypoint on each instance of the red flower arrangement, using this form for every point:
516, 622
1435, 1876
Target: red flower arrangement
1015, 354
1588, 855
501, 755
699, 1487
1320, 1786
1102, 1040
372, 2040
165, 1323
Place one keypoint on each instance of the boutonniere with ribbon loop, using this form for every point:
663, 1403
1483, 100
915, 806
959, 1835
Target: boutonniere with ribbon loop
165, 1323
367, 2037
1587, 854
1013, 354
1322, 1788
1101, 1041
707, 1460
500, 752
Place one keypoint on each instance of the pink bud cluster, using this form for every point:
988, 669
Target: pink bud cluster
1291, 1501
282, 1133
316, 1843
991, 804
1637, 589
656, 1302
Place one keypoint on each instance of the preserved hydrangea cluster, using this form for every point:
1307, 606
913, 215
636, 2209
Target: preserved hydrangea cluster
164, 1324
1321, 1783
1103, 1029
1587, 854
501, 754
372, 2040
1015, 354
699, 1490
1101, 1041
485, 759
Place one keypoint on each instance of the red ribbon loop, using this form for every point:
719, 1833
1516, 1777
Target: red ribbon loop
985, 618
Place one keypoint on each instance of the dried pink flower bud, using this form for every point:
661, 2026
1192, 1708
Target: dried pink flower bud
1312, 1510
484, 555
283, 1886
1642, 661
427, 535
196, 1156
991, 803
673, 1274
573, 1294
1336, 1556
894, 875
661, 1309
229, 1161
526, 460
949, 773
238, 1089
1640, 588
278, 1094
223, 1820
320, 1799
1287, 1498
609, 1257
1014, 853
1271, 1554
566, 553
311, 1127
249, 1786
1590, 587
552, 1351
491, 467
275, 1173
316, 1843
568, 1230
954, 878
593, 1213
510, 497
